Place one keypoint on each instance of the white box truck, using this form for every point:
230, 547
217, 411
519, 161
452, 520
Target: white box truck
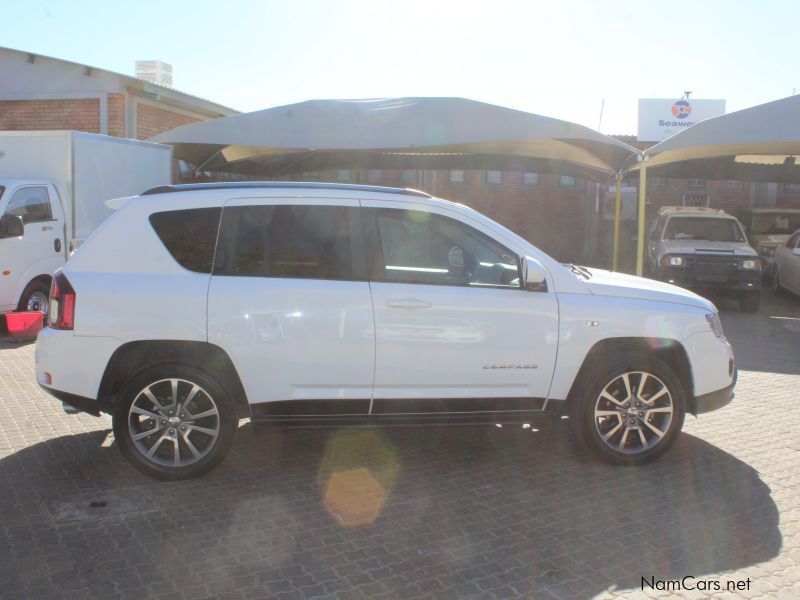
53, 188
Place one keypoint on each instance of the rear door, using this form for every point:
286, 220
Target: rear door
455, 332
40, 250
289, 302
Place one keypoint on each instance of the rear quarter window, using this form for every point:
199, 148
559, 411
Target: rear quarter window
189, 235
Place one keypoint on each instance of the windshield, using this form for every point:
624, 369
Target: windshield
773, 222
703, 228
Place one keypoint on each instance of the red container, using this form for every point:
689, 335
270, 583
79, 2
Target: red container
24, 326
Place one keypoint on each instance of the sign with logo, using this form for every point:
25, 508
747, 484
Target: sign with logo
660, 118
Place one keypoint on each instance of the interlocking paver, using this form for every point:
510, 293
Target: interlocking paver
472, 512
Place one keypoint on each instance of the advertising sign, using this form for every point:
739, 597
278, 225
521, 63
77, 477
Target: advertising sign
660, 118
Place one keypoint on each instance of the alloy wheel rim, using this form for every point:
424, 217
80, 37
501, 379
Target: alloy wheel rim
633, 412
37, 301
173, 422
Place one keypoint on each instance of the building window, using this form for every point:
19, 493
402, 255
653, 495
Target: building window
657, 183
344, 175
530, 178
374, 175
494, 177
408, 176
732, 185
456, 176
791, 187
566, 181
696, 184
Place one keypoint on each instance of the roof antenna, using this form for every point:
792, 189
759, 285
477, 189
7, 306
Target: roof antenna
686, 94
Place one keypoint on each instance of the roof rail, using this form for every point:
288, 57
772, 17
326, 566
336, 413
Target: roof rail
250, 185
690, 209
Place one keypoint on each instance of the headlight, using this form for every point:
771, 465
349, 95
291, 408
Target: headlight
751, 264
715, 324
672, 261
766, 250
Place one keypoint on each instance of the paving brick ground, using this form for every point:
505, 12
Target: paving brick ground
407, 513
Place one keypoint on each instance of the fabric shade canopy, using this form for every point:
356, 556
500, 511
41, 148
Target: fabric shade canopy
413, 133
754, 144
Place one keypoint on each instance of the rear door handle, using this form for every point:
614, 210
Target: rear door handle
408, 303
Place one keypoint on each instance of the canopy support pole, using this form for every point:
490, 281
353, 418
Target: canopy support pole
641, 217
617, 210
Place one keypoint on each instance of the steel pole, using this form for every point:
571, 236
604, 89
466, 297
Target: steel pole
641, 217
617, 210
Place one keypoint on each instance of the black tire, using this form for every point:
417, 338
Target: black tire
777, 288
750, 301
32, 289
210, 396
586, 425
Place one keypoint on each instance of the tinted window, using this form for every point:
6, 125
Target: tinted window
32, 204
314, 242
420, 247
189, 235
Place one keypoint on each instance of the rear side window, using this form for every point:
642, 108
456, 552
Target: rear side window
189, 235
298, 241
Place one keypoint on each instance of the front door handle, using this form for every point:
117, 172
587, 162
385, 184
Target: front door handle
408, 303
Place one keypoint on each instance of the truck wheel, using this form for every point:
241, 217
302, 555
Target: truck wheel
749, 301
173, 422
629, 412
35, 297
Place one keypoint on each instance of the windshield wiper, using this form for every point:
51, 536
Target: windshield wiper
582, 272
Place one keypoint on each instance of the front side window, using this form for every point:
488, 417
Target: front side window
189, 235
32, 204
293, 241
703, 228
425, 248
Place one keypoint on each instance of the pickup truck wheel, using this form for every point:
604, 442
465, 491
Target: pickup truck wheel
750, 301
173, 422
35, 297
630, 412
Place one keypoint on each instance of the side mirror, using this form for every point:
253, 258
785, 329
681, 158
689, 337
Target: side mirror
11, 226
534, 274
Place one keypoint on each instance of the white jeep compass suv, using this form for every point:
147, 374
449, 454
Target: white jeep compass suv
194, 306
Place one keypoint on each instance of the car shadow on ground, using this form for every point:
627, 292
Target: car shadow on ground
456, 511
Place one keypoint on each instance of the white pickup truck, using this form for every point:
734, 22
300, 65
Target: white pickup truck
53, 185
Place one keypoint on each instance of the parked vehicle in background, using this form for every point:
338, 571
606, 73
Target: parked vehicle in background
705, 250
307, 304
53, 185
767, 229
787, 265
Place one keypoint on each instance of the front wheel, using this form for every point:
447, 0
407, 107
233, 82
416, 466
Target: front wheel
629, 412
750, 301
173, 422
35, 297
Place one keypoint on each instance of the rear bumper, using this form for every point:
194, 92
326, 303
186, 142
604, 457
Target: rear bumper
79, 403
714, 400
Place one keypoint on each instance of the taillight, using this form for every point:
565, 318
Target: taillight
61, 313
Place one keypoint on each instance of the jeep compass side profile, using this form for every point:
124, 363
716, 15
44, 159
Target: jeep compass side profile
194, 306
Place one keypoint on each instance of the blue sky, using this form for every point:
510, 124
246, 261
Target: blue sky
559, 58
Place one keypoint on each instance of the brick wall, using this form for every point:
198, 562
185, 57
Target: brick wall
79, 114
116, 115
151, 120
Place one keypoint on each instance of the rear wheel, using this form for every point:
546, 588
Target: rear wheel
750, 301
629, 412
173, 422
35, 297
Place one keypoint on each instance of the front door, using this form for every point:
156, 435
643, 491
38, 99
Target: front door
290, 304
39, 251
455, 331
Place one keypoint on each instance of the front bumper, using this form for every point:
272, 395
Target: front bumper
733, 281
714, 400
